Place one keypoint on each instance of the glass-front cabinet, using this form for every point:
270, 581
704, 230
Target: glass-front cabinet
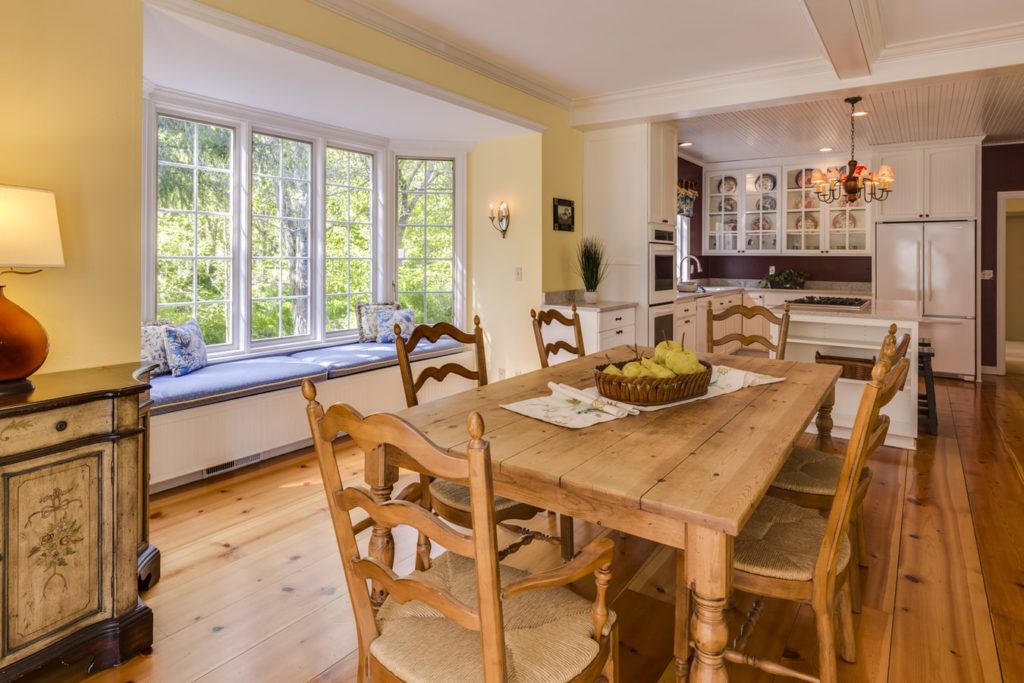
743, 212
768, 211
760, 212
721, 232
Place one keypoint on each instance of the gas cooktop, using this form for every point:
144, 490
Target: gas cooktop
829, 303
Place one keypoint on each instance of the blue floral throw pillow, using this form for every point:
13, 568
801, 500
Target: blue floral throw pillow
154, 346
186, 350
386, 321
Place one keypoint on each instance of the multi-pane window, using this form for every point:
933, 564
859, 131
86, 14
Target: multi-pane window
194, 225
348, 236
280, 236
426, 253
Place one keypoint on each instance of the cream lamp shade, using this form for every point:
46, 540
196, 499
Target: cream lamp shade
29, 233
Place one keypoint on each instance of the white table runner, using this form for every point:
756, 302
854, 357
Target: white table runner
579, 408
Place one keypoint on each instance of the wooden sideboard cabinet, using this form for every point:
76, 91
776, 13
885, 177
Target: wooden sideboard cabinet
72, 467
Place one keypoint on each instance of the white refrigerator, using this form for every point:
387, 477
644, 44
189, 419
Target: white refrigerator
934, 264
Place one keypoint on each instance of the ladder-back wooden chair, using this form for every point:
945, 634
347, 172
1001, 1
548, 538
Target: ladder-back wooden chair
450, 499
777, 349
809, 477
789, 552
548, 317
462, 617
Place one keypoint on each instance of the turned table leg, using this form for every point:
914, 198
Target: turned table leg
709, 572
681, 645
380, 477
824, 423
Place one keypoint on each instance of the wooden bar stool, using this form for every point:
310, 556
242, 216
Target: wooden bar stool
926, 401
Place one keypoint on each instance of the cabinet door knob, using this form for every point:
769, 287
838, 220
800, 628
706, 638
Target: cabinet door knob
61, 426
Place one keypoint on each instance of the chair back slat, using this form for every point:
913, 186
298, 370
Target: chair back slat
432, 333
395, 443
405, 445
868, 433
397, 512
548, 317
402, 590
748, 313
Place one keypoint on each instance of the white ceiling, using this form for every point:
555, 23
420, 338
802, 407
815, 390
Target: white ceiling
183, 53
979, 104
583, 48
745, 79
906, 21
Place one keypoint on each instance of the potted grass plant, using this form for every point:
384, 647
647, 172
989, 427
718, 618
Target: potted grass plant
591, 266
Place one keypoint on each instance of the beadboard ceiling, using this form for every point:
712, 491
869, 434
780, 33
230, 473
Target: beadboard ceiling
980, 104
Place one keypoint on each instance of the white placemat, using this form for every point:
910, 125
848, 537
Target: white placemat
579, 408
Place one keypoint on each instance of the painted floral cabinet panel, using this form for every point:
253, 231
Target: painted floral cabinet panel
58, 533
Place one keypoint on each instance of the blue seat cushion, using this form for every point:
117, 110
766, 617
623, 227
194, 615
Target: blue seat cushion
348, 359
228, 380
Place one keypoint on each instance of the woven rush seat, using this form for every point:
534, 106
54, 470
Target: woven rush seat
548, 633
807, 470
457, 496
782, 541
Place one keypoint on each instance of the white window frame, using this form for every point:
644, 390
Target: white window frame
247, 120
458, 154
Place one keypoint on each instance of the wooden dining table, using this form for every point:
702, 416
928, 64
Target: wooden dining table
689, 476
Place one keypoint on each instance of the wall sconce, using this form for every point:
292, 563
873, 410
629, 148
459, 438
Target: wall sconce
502, 218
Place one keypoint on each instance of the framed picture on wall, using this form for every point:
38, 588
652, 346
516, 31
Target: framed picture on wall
565, 214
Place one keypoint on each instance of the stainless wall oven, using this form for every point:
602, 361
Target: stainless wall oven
661, 274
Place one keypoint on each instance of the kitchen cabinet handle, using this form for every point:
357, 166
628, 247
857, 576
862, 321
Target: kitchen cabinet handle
618, 331
664, 220
619, 318
61, 426
928, 269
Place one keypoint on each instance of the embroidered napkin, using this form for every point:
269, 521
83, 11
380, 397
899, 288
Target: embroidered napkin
579, 408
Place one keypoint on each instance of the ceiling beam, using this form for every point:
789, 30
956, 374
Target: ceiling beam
836, 25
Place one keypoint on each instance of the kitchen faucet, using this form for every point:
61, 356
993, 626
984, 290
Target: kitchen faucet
688, 272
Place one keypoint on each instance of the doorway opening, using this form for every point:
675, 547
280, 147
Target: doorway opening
1010, 283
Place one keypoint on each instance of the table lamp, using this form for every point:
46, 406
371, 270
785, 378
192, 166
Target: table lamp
29, 238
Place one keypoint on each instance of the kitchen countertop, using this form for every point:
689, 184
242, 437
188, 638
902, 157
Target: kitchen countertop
891, 310
795, 293
599, 306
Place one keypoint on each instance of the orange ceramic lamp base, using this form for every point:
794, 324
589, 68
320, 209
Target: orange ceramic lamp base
23, 347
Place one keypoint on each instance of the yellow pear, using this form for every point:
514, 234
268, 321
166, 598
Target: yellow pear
683, 362
612, 370
663, 348
657, 370
633, 369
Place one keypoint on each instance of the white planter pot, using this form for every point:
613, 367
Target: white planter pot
590, 297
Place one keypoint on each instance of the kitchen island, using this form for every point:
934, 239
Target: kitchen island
859, 334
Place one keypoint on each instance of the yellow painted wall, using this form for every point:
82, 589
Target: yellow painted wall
562, 145
506, 170
70, 121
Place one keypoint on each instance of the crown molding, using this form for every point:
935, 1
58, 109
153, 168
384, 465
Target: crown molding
367, 15
1010, 33
232, 22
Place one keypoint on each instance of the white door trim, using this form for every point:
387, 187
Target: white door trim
1001, 198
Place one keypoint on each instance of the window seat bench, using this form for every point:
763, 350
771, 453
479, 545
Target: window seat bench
239, 411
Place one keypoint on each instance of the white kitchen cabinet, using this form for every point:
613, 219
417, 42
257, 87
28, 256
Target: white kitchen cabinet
686, 322
743, 211
662, 173
602, 329
932, 181
813, 227
953, 342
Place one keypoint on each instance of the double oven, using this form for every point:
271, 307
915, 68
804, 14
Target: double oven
661, 283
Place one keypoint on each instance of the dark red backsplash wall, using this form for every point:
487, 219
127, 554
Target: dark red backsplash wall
830, 268
1002, 170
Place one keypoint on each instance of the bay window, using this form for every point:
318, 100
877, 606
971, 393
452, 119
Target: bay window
270, 232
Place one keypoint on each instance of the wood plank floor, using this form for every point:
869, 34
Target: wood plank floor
252, 586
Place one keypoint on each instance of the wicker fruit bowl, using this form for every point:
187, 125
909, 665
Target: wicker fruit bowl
652, 391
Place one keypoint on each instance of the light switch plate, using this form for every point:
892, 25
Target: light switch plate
519, 273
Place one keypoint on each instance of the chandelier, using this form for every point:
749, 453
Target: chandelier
857, 182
